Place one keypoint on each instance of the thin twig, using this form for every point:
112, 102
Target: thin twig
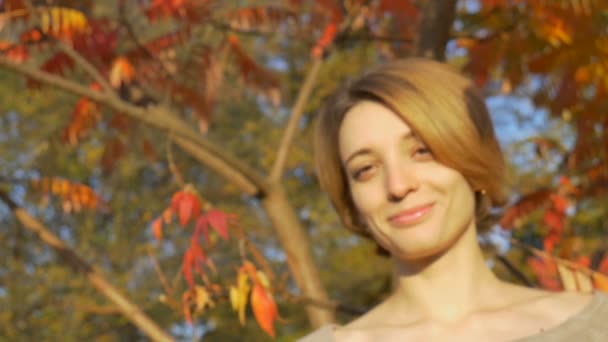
159, 272
329, 305
294, 119
140, 46
174, 170
517, 273
216, 158
88, 67
255, 253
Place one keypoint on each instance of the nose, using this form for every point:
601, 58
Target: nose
401, 179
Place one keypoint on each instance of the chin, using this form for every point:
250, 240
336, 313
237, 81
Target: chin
419, 252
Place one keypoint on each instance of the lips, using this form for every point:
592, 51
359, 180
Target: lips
411, 216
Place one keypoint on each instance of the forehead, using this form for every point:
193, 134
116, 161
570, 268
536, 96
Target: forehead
369, 124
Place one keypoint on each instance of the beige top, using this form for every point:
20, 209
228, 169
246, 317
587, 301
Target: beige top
589, 325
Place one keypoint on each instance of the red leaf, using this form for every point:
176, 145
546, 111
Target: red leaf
560, 203
18, 54
98, 44
179, 9
219, 222
176, 200
526, 205
603, 266
554, 220
157, 226
256, 77
12, 5
264, 308
202, 227
185, 210
546, 272
584, 261
550, 241
189, 208
327, 37
189, 260
402, 8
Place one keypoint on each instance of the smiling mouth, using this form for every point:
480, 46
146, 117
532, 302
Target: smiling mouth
411, 217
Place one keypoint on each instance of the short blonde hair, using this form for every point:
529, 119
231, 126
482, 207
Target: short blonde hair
445, 111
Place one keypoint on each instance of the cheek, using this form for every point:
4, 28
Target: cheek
366, 197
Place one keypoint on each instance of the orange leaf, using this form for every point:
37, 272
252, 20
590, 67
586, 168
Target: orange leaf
167, 215
523, 207
122, 72
176, 199
327, 37
264, 308
14, 53
186, 298
157, 226
600, 281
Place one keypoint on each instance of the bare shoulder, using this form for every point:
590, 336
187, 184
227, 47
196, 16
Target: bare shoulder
555, 307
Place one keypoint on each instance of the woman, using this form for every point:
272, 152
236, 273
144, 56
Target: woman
408, 156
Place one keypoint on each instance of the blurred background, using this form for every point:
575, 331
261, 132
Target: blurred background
156, 161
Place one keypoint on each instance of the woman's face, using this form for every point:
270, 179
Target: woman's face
414, 206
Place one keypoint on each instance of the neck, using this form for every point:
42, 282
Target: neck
450, 286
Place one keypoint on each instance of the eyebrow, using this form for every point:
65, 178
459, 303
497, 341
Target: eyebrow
407, 136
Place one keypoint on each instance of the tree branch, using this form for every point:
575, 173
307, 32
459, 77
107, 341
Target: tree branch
162, 118
78, 265
517, 273
434, 33
324, 304
216, 163
296, 113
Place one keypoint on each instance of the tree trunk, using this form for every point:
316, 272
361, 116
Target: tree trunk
434, 33
297, 247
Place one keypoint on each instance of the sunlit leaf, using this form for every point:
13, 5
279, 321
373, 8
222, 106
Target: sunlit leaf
600, 281
121, 72
264, 308
157, 226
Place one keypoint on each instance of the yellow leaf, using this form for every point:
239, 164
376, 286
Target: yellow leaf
263, 279
584, 282
202, 299
234, 298
121, 72
567, 277
239, 296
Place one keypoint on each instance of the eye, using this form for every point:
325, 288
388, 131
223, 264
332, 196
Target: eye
363, 173
423, 150
423, 153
